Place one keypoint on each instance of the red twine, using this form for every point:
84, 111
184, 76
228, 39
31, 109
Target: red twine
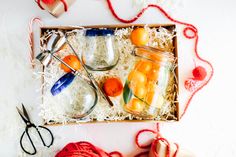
85, 149
137, 138
188, 29
199, 74
153, 145
49, 2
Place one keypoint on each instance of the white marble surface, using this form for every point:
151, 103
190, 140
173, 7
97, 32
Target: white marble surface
208, 128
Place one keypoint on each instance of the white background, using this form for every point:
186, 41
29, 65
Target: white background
208, 128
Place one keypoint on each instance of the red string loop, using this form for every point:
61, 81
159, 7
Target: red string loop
141, 13
116, 153
65, 5
138, 135
142, 154
153, 145
177, 149
190, 30
39, 4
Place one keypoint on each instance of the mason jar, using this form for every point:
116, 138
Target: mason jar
146, 84
75, 97
100, 53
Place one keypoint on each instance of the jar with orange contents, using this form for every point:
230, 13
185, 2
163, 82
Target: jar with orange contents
145, 88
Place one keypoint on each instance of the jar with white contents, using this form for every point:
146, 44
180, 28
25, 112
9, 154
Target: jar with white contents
145, 88
76, 96
100, 53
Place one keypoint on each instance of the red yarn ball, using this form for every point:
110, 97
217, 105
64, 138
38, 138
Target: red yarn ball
199, 73
48, 1
84, 149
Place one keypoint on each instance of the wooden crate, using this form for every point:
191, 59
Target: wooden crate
167, 26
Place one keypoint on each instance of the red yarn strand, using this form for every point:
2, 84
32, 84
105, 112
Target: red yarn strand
115, 153
204, 84
177, 149
65, 5
141, 13
137, 138
142, 154
154, 146
39, 4
154, 143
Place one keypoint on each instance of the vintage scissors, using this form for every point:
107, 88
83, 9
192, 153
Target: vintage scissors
24, 115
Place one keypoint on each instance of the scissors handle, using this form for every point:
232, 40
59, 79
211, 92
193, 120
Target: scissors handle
32, 144
52, 137
29, 138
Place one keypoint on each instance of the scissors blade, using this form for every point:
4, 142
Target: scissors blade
22, 115
25, 112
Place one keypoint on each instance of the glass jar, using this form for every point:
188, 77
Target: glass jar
77, 98
100, 53
145, 88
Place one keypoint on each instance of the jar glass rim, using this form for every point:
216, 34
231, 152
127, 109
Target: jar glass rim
160, 56
99, 32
